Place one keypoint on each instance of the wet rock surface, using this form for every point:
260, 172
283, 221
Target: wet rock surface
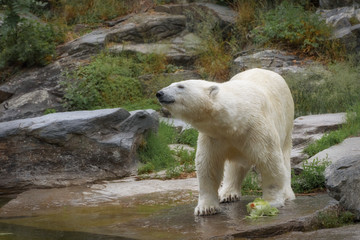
351, 232
150, 209
63, 149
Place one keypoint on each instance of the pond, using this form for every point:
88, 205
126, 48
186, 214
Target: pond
40, 214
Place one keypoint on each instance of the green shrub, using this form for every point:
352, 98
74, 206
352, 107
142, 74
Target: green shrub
290, 25
189, 137
113, 81
155, 153
30, 44
312, 177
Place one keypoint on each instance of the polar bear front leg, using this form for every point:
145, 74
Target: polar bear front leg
210, 159
234, 174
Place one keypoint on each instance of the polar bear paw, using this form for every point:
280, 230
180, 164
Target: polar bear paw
203, 210
229, 196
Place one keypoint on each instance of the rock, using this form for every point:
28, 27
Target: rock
89, 44
71, 148
180, 50
343, 182
147, 27
274, 60
310, 128
349, 148
329, 4
32, 91
351, 232
345, 22
201, 11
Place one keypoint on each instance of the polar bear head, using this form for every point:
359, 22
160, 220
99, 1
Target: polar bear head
189, 100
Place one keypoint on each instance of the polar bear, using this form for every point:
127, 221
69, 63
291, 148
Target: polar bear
244, 122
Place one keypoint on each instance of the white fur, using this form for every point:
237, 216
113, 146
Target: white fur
243, 122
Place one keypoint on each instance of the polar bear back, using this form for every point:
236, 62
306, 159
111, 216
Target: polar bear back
269, 89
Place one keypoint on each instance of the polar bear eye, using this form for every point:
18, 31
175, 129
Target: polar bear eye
181, 86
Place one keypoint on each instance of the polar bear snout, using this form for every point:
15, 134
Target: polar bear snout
164, 98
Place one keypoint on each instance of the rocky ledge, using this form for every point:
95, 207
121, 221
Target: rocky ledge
71, 148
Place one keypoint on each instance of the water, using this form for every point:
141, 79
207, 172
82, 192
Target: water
151, 216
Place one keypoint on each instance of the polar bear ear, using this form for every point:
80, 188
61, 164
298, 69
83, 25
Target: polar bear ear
213, 90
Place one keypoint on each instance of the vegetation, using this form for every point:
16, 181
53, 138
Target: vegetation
312, 177
293, 27
25, 42
251, 184
156, 155
73, 12
334, 219
350, 128
113, 81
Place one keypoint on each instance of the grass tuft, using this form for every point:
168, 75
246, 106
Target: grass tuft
312, 178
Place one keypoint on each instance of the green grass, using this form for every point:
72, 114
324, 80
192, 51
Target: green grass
251, 184
112, 80
350, 128
155, 153
318, 90
312, 177
291, 26
334, 219
188, 137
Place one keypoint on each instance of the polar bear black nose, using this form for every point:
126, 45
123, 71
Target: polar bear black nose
159, 94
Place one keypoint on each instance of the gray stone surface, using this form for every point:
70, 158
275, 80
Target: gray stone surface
274, 60
351, 232
346, 28
147, 27
70, 148
309, 128
343, 182
337, 3
349, 147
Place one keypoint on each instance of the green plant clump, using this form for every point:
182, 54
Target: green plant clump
291, 26
24, 41
312, 177
113, 81
251, 185
334, 219
155, 153
189, 137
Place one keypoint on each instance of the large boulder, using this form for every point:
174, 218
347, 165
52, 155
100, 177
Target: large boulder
343, 182
345, 22
71, 148
275, 60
